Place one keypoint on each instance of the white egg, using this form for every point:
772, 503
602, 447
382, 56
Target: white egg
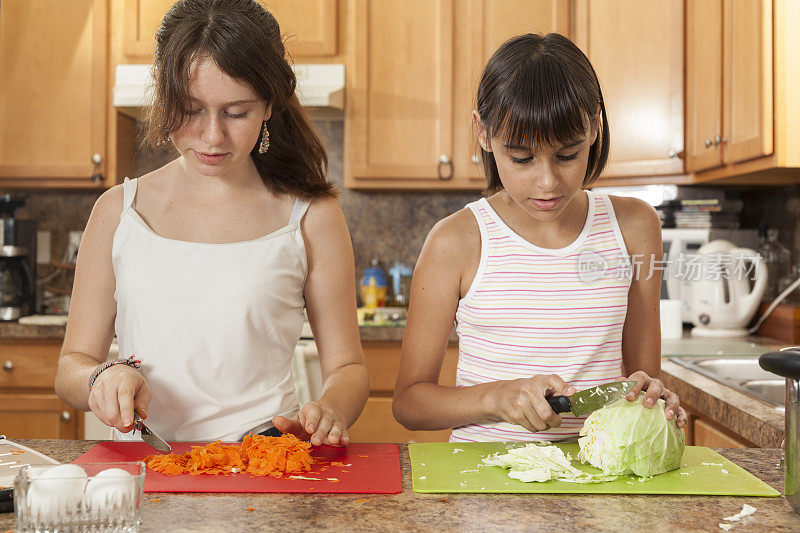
56, 492
110, 490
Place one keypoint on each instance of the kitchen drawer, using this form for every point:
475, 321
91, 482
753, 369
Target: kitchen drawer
377, 424
28, 364
383, 361
38, 416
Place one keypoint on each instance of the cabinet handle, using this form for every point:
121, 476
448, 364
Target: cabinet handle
708, 143
65, 416
97, 176
446, 162
724, 140
475, 159
8, 366
673, 154
717, 140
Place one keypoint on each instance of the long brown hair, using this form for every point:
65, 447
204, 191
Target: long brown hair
244, 39
541, 89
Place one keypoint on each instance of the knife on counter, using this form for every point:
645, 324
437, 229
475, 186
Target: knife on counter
149, 436
584, 402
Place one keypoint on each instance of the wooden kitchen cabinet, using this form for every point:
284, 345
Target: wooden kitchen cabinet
702, 431
309, 27
637, 53
53, 93
29, 407
377, 423
741, 91
728, 82
410, 94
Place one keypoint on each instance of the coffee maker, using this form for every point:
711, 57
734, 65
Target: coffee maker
17, 261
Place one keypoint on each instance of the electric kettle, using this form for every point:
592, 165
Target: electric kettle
726, 284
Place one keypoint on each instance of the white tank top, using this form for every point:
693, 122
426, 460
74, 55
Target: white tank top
215, 325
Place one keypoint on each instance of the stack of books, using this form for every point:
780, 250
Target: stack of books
709, 213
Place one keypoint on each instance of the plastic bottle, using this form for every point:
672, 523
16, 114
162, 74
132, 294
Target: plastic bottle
401, 283
373, 286
777, 259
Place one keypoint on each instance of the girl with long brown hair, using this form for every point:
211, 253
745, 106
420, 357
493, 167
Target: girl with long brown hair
204, 266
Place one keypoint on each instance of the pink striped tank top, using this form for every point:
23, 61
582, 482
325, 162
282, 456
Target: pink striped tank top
533, 310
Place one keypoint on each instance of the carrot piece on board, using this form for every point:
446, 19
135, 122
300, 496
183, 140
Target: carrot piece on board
257, 455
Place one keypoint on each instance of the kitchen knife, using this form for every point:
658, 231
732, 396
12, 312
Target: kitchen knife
586, 401
149, 436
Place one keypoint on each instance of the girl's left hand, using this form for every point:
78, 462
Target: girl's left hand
655, 389
316, 423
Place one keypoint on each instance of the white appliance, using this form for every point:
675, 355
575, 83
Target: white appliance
306, 369
318, 85
725, 289
680, 250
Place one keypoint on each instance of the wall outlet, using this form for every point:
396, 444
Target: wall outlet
43, 243
73, 242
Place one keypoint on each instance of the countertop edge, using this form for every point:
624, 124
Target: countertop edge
757, 421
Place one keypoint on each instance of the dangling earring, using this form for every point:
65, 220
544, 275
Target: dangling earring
262, 147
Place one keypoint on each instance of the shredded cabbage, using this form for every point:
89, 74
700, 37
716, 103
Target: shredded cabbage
534, 462
626, 437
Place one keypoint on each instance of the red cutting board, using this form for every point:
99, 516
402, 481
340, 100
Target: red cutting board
370, 468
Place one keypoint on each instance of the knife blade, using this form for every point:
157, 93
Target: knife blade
592, 399
149, 436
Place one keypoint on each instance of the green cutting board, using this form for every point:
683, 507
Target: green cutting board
458, 467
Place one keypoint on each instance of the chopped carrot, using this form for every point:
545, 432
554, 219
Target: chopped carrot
442, 499
257, 455
362, 500
250, 509
155, 500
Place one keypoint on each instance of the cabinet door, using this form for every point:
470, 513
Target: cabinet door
52, 91
377, 422
703, 84
141, 20
399, 94
747, 79
636, 49
308, 25
37, 416
707, 435
491, 23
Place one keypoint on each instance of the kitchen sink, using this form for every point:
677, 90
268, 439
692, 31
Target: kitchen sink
741, 373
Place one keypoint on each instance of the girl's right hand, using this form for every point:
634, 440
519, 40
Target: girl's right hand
523, 401
118, 391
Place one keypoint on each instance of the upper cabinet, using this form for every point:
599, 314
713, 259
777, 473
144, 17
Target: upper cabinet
309, 27
636, 49
53, 93
741, 91
729, 82
410, 94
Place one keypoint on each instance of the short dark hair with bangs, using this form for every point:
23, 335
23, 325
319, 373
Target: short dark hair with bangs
537, 90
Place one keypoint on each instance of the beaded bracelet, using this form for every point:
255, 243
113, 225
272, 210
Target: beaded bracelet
130, 361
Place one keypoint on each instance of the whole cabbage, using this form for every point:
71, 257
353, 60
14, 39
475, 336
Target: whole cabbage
626, 437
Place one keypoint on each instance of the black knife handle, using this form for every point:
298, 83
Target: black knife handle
560, 404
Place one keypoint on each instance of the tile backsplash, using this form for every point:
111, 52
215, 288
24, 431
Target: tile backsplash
391, 225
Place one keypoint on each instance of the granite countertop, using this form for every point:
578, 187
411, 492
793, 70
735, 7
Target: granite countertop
409, 511
759, 422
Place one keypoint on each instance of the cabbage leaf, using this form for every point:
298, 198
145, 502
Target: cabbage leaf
534, 462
